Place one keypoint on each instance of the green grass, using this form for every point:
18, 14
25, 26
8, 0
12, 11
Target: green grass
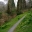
25, 25
8, 25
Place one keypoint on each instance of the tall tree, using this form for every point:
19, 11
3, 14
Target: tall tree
21, 5
29, 6
10, 6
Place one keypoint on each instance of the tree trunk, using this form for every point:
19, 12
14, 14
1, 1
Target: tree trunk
21, 5
11, 5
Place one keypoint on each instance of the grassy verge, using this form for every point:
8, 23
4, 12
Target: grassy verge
25, 25
8, 25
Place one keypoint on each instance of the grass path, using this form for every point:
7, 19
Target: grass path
25, 25
11, 22
16, 24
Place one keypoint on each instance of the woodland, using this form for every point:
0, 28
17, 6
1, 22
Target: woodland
9, 15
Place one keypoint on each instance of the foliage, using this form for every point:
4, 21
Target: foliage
0, 15
13, 12
25, 25
3, 18
9, 24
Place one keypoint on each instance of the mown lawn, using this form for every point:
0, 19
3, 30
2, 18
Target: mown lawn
25, 25
9, 24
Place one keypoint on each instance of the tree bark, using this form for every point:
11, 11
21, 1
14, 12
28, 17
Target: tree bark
11, 5
21, 5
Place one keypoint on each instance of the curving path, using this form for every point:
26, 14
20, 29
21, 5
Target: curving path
16, 24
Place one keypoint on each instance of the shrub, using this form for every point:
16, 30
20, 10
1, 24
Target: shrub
3, 19
0, 15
